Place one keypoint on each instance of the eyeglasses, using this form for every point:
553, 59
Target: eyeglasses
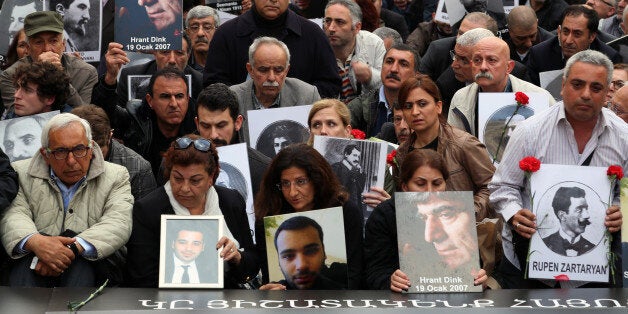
617, 84
608, 4
616, 109
285, 185
200, 144
455, 57
206, 27
78, 151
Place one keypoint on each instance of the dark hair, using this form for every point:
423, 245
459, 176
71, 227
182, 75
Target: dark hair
168, 72
53, 3
406, 47
283, 130
12, 56
299, 223
419, 158
98, 120
189, 42
419, 81
576, 10
370, 18
328, 190
349, 148
192, 156
173, 227
51, 81
218, 97
562, 198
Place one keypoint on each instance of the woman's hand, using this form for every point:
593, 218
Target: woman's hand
480, 278
375, 196
399, 281
273, 286
229, 251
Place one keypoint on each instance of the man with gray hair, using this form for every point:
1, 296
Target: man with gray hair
358, 53
389, 36
490, 67
578, 131
269, 86
66, 184
524, 32
613, 25
200, 25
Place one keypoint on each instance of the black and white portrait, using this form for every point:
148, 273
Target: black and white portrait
21, 137
552, 81
358, 164
280, 134
149, 25
188, 256
231, 177
81, 24
12, 17
235, 174
496, 124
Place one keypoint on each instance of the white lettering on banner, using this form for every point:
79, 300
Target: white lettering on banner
222, 304
310, 304
173, 305
159, 305
332, 304
262, 303
239, 304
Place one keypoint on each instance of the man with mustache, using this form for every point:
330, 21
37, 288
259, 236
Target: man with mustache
301, 252
200, 25
269, 86
577, 131
576, 32
371, 111
572, 211
75, 15
491, 67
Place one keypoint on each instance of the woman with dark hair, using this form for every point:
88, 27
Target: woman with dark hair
422, 170
191, 165
300, 179
370, 17
17, 49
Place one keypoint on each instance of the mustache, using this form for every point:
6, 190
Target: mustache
485, 75
270, 84
584, 222
219, 142
202, 40
393, 76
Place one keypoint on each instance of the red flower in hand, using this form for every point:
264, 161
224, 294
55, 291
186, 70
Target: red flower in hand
529, 164
521, 98
357, 134
561, 277
390, 158
616, 171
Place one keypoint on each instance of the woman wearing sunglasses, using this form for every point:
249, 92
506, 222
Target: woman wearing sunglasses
299, 179
191, 168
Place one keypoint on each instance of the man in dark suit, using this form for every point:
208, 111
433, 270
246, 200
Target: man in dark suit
523, 33
187, 244
577, 32
437, 58
351, 174
572, 211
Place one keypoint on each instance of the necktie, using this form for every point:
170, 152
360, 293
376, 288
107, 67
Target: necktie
186, 276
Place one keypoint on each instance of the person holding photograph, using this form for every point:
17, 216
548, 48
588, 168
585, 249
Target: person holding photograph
331, 117
191, 164
300, 179
423, 170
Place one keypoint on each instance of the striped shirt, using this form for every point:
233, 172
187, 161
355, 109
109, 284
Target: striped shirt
549, 137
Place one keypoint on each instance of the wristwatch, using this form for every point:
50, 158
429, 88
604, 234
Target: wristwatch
72, 246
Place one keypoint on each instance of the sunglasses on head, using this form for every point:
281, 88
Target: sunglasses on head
200, 144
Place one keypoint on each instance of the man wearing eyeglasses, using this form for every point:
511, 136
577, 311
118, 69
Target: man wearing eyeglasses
72, 209
200, 25
603, 8
619, 103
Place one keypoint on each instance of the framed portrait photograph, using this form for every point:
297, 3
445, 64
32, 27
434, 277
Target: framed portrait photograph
21, 137
187, 257
570, 208
270, 130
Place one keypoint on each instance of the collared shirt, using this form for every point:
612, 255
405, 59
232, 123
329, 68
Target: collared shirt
382, 98
549, 137
259, 105
178, 271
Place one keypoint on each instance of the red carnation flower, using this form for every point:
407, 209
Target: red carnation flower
616, 171
358, 134
521, 98
530, 164
390, 158
561, 277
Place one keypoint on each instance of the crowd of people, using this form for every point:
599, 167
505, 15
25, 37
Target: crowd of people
85, 204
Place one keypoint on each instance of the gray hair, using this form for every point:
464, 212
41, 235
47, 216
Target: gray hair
482, 18
591, 57
354, 9
268, 41
61, 121
387, 32
472, 37
202, 11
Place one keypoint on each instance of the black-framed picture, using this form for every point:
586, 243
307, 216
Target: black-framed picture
187, 256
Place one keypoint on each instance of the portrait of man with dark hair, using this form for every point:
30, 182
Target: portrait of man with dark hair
189, 252
280, 134
351, 173
572, 210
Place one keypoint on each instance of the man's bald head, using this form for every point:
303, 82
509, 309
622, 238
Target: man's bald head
619, 103
491, 64
477, 20
523, 28
522, 17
